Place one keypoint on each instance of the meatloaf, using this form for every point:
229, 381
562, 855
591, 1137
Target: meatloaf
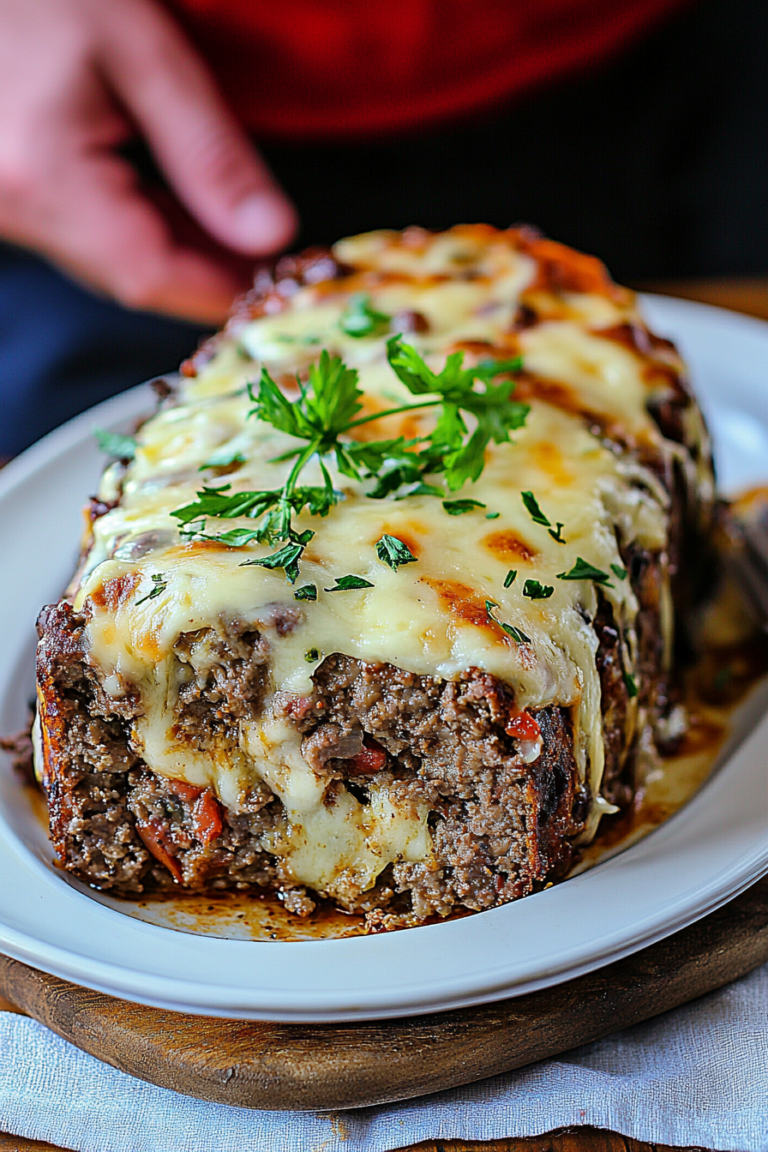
384, 605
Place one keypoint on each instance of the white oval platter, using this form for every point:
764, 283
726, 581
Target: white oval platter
707, 853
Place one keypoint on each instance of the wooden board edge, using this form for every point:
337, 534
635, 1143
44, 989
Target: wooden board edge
321, 1067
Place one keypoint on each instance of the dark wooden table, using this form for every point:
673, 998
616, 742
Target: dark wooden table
743, 295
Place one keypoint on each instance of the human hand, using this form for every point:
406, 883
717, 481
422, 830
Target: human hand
78, 78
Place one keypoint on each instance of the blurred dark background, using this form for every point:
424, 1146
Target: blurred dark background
657, 161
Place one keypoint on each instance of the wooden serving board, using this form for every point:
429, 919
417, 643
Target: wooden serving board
333, 1066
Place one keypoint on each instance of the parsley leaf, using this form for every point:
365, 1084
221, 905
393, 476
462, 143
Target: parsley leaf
619, 572
631, 683
306, 592
328, 402
510, 578
115, 444
459, 507
234, 538
517, 635
583, 570
312, 655
492, 515
349, 584
159, 583
394, 552
286, 558
536, 591
451, 449
361, 319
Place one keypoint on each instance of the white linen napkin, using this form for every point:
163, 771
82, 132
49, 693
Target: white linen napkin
694, 1076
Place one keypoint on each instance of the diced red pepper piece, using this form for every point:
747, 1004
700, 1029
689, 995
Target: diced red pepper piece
184, 791
207, 817
154, 834
371, 759
523, 726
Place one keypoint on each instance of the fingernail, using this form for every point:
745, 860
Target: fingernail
264, 222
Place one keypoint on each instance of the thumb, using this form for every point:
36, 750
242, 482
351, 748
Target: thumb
204, 153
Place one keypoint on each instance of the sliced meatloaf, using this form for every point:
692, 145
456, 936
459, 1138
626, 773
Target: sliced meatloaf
362, 674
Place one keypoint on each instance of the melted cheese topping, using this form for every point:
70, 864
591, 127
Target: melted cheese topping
428, 617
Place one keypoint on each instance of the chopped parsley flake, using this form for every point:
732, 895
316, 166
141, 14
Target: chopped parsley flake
631, 684
510, 578
159, 583
286, 558
619, 572
349, 584
459, 507
115, 444
536, 591
306, 592
517, 635
534, 511
492, 515
394, 552
312, 656
583, 570
361, 319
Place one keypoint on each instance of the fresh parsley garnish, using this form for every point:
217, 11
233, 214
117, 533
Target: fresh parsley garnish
349, 584
517, 635
327, 411
619, 572
286, 558
223, 458
450, 448
583, 570
510, 578
631, 685
312, 655
534, 511
393, 552
361, 319
159, 585
306, 592
234, 538
536, 591
492, 515
459, 507
115, 444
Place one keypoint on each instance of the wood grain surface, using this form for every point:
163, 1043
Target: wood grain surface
315, 1066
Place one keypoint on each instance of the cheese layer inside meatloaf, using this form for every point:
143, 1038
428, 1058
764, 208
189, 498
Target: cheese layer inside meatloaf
444, 734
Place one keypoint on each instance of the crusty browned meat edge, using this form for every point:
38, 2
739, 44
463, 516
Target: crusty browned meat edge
500, 830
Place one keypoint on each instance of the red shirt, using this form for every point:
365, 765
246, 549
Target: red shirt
339, 69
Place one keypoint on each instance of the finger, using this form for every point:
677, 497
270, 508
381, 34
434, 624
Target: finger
108, 235
205, 154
